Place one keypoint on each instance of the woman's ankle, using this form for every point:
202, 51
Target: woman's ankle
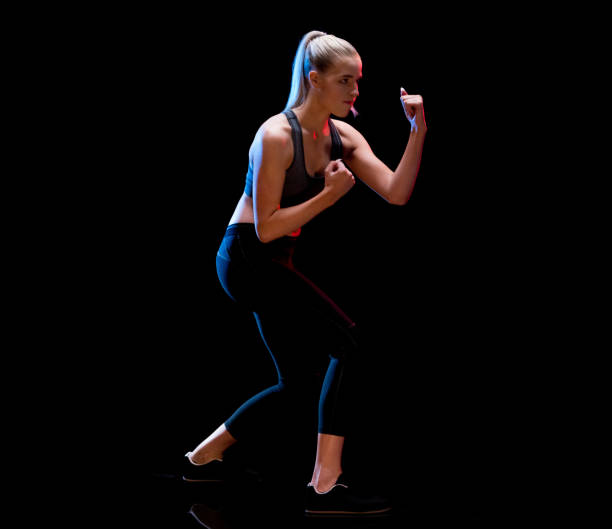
324, 480
212, 447
202, 458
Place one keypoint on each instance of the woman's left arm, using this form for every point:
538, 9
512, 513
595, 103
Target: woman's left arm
394, 186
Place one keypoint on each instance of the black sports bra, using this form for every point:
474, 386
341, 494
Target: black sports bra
299, 185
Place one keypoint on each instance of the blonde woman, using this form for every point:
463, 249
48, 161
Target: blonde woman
298, 167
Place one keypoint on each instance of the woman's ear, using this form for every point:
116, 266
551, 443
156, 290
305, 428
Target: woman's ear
314, 78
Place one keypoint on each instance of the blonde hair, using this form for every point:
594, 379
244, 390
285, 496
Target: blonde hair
317, 50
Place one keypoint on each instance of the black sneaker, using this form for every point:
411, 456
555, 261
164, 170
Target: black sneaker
344, 500
214, 471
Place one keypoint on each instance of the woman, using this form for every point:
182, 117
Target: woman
298, 167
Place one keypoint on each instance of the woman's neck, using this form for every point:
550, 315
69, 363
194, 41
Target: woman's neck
314, 118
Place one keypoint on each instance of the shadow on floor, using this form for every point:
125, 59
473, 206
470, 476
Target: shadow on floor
171, 502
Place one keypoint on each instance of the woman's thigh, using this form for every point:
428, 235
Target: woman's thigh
300, 325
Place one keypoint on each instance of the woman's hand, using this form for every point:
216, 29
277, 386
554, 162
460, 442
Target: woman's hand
413, 108
338, 179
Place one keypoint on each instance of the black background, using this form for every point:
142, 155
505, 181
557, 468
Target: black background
433, 285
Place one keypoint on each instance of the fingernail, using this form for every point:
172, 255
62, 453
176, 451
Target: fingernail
402, 91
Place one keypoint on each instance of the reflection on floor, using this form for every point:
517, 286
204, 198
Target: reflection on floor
252, 502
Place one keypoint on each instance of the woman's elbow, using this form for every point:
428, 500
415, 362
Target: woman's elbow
263, 232
398, 201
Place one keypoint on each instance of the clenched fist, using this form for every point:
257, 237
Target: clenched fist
338, 179
413, 107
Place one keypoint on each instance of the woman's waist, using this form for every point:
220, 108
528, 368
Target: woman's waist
248, 229
241, 241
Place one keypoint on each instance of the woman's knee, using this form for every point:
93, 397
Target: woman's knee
350, 344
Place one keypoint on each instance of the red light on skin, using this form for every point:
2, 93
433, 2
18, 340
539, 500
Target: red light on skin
295, 233
325, 131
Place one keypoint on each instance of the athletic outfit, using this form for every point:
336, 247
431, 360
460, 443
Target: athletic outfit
299, 185
297, 321
300, 326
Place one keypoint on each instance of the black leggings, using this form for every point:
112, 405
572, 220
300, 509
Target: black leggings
299, 324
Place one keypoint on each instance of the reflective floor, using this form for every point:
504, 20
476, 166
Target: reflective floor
250, 502
434, 484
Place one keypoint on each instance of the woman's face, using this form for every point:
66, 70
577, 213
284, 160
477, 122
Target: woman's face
337, 87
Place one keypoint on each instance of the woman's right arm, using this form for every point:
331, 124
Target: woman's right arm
269, 163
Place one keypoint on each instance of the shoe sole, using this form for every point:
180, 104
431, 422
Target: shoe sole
192, 480
386, 510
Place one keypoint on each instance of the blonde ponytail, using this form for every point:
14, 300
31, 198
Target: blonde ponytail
317, 50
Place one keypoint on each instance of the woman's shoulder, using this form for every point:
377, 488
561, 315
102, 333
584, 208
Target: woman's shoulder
275, 125
348, 134
343, 127
274, 131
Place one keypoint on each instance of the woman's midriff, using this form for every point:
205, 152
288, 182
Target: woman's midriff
243, 211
